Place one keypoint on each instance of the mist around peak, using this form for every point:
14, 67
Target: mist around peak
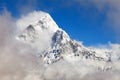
20, 61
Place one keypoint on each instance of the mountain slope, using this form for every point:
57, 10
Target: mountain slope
58, 45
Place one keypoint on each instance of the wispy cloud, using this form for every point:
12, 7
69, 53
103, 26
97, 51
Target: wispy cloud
113, 12
26, 6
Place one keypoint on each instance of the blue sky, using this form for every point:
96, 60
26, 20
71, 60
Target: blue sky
83, 20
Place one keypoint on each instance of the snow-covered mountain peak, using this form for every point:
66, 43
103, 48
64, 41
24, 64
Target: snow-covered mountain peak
53, 44
41, 19
39, 28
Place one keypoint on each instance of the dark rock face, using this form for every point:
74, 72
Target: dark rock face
59, 48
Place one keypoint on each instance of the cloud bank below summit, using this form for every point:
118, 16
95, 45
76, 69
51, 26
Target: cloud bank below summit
18, 61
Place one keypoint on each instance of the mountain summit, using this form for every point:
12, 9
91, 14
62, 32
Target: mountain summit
41, 28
